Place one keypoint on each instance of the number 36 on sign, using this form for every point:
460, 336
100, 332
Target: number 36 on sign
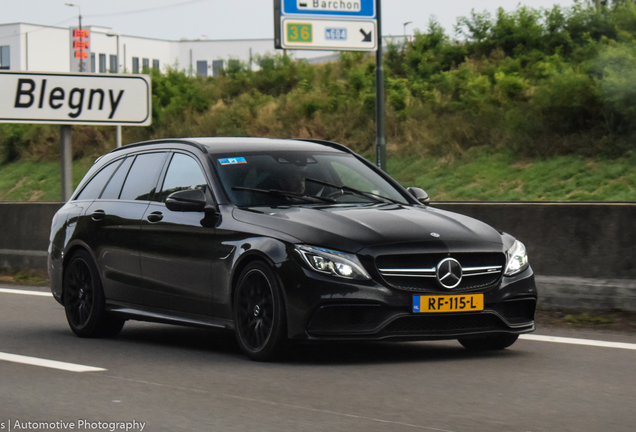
299, 32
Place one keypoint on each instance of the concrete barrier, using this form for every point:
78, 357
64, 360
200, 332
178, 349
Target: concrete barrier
24, 236
589, 240
557, 292
583, 253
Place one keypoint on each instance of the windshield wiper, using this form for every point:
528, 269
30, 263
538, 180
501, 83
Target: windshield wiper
371, 195
307, 198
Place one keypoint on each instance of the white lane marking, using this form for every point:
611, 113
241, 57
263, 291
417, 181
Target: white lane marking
25, 292
34, 361
573, 341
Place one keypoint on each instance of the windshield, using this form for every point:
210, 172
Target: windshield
295, 177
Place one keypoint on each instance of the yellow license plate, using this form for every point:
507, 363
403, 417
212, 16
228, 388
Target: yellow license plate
448, 303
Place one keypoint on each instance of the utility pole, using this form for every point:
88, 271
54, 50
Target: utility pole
380, 141
81, 59
118, 130
66, 152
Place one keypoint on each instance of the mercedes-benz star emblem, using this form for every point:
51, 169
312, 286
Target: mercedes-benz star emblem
449, 273
434, 234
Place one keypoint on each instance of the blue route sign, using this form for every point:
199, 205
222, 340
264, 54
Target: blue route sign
334, 9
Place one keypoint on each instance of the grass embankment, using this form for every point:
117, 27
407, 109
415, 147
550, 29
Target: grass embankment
486, 175
480, 175
37, 181
24, 277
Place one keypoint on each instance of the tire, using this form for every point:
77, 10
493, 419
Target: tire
84, 300
489, 342
259, 313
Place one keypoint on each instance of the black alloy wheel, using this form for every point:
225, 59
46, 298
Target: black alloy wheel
259, 313
488, 342
84, 300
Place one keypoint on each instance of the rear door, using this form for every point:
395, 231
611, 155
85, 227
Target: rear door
115, 224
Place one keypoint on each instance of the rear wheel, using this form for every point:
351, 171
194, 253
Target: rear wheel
489, 342
259, 313
84, 300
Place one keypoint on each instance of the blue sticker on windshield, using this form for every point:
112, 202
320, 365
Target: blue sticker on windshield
232, 161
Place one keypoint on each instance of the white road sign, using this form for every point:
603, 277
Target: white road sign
333, 25
358, 35
33, 97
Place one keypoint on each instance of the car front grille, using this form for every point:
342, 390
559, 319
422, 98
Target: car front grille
440, 324
416, 272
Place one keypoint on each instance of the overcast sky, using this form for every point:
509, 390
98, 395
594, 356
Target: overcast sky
230, 19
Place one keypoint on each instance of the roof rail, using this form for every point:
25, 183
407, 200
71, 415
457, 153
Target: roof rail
327, 143
162, 141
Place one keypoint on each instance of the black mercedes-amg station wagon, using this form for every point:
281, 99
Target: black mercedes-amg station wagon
279, 240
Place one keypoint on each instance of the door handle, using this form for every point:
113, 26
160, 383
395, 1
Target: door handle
98, 215
155, 216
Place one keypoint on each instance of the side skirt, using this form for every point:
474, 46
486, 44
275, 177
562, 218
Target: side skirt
137, 313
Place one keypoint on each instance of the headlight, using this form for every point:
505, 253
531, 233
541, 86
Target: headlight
517, 259
332, 262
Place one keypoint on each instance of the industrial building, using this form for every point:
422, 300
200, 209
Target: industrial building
34, 47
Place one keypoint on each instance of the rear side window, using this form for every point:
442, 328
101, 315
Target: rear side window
142, 178
184, 173
113, 188
94, 187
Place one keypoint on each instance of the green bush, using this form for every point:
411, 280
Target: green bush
539, 82
617, 85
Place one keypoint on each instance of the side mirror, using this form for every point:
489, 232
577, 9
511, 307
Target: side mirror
419, 194
191, 200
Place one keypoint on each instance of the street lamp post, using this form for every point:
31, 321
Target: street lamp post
117, 71
115, 35
405, 24
81, 59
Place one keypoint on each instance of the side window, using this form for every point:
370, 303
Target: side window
94, 187
183, 173
142, 177
113, 188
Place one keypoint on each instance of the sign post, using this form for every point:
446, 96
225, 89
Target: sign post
336, 25
67, 99
380, 140
66, 160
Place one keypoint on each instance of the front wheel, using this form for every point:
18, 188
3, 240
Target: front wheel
489, 342
84, 300
259, 313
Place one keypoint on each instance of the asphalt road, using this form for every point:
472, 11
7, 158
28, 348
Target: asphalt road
173, 378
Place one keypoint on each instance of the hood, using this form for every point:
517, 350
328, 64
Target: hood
350, 229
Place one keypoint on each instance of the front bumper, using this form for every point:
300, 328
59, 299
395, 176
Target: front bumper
322, 307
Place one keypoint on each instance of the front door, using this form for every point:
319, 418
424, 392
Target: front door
178, 248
